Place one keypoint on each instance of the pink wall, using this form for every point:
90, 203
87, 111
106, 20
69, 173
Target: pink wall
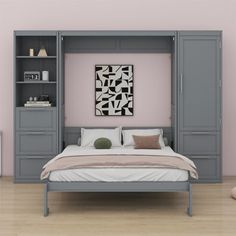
115, 15
152, 86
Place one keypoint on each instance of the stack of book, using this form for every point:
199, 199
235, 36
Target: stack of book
37, 104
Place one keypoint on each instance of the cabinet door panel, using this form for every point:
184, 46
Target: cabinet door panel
36, 143
35, 119
207, 168
199, 143
199, 83
30, 167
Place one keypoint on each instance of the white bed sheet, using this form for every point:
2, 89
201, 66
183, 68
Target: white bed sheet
118, 174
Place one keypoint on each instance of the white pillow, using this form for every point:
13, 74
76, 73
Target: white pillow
88, 136
128, 135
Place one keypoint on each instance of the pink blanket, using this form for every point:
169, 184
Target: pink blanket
116, 161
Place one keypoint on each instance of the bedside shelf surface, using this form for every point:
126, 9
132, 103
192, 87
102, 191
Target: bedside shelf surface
36, 82
36, 57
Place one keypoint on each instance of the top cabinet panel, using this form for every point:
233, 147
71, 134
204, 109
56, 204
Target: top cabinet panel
199, 82
118, 44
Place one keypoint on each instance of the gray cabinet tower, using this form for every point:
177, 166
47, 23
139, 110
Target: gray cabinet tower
199, 101
36, 128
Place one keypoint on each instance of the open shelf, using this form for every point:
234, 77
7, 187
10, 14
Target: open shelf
24, 43
36, 57
36, 82
33, 89
36, 65
53, 106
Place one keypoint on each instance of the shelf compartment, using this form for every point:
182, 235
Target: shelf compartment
36, 57
26, 90
36, 82
24, 43
36, 65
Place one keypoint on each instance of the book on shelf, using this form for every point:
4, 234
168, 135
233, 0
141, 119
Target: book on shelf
37, 104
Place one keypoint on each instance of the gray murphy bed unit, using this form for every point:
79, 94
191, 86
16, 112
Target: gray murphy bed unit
196, 118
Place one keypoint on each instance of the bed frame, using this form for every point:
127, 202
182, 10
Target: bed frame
71, 135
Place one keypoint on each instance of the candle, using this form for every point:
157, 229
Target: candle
31, 52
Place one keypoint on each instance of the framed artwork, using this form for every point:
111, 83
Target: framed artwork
114, 90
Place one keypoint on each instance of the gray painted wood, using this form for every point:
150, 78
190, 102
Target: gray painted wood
215, 33
28, 119
35, 32
199, 101
118, 33
36, 129
118, 186
36, 143
128, 44
199, 143
199, 71
208, 168
174, 94
30, 167
61, 95
190, 208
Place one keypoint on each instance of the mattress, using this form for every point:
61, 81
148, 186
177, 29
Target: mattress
119, 174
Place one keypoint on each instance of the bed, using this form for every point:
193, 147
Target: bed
119, 169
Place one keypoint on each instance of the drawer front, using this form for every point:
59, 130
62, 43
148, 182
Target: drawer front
208, 168
36, 143
30, 167
199, 143
35, 119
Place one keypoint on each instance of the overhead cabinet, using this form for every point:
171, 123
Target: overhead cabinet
195, 92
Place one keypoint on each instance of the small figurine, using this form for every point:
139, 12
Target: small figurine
42, 52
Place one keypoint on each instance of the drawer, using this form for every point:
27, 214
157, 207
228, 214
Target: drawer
36, 119
36, 143
199, 143
30, 167
208, 168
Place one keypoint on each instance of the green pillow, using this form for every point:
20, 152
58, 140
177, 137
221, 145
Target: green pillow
102, 143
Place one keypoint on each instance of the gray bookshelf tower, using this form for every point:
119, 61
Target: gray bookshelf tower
36, 128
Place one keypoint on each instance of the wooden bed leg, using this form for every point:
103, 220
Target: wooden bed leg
45, 201
189, 211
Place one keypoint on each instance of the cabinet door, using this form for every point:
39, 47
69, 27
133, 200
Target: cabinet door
36, 143
199, 143
199, 81
208, 168
29, 168
28, 119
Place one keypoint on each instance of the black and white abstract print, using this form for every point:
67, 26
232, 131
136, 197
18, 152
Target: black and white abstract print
114, 90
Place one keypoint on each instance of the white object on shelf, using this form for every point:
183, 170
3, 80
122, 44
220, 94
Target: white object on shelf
31, 52
42, 52
45, 75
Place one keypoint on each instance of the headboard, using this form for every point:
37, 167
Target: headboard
71, 134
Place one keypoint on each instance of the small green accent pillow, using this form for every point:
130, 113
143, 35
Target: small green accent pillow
102, 143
